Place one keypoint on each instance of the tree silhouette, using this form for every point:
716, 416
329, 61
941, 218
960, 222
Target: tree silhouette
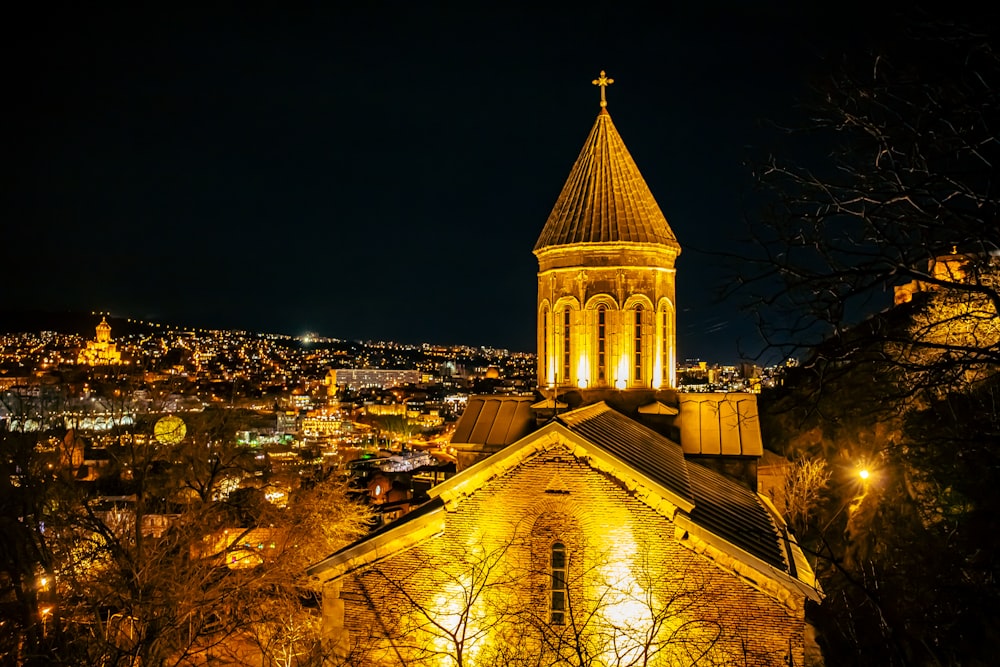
876, 266
488, 605
185, 561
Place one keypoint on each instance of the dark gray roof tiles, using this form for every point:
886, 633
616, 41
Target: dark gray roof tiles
661, 460
721, 505
736, 514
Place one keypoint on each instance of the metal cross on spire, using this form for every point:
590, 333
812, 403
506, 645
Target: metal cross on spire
603, 82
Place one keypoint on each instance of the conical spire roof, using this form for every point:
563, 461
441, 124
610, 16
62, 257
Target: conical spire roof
605, 199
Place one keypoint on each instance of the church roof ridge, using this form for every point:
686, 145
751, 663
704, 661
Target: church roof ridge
605, 198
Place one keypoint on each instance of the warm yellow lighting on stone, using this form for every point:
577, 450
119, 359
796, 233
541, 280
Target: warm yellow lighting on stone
583, 372
597, 263
621, 378
627, 606
454, 617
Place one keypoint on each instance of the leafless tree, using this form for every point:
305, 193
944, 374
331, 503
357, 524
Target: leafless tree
909, 180
488, 606
901, 201
190, 561
803, 483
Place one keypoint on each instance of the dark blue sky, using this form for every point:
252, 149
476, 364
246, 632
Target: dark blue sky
378, 170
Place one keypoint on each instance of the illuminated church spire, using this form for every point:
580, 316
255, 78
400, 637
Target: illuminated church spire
104, 331
606, 293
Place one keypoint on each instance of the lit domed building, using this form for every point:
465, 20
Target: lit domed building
101, 351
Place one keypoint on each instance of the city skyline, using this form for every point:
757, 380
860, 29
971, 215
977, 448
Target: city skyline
379, 175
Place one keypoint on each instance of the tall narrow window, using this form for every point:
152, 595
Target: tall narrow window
637, 346
665, 348
566, 338
602, 334
545, 344
558, 598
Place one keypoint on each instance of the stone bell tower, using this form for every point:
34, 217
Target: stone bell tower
606, 297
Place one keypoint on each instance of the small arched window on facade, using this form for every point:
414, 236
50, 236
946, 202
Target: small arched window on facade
557, 607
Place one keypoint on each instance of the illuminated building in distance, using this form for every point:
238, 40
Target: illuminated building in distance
360, 378
101, 351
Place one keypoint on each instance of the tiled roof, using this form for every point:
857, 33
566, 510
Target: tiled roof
633, 443
721, 505
735, 513
605, 198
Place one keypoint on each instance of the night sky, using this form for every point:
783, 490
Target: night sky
372, 170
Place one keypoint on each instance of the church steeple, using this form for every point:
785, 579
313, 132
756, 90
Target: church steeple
606, 294
605, 199
104, 331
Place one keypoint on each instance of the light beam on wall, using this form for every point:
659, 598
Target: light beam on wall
621, 380
583, 372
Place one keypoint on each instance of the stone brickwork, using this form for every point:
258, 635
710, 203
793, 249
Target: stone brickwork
481, 589
621, 279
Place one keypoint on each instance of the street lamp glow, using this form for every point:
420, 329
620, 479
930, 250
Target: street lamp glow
863, 473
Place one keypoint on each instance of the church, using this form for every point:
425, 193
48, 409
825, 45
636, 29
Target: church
609, 519
101, 351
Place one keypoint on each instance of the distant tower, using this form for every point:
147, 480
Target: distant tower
101, 351
606, 296
104, 331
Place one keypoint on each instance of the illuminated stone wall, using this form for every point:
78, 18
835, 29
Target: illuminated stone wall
578, 345
634, 582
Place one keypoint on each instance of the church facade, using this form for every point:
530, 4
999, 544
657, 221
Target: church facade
584, 528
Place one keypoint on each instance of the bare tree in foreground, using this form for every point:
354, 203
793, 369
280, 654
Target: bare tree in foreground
905, 202
188, 562
490, 605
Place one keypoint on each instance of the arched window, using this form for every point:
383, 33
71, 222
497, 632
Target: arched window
557, 611
637, 346
602, 340
545, 342
565, 351
665, 347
